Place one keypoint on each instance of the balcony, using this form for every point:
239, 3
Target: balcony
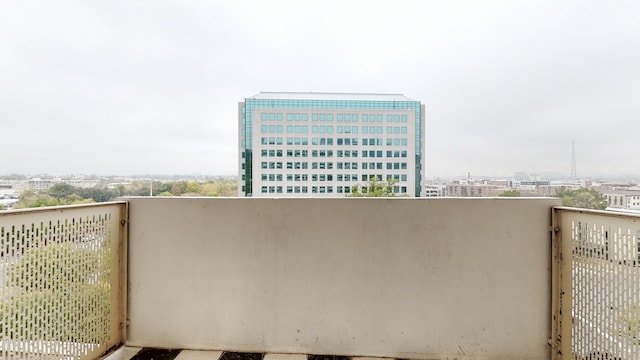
395, 278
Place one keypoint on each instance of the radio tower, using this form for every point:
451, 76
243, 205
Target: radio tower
574, 174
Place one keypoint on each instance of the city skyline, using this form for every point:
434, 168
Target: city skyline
152, 88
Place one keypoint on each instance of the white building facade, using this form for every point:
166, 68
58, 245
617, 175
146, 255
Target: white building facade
324, 144
621, 199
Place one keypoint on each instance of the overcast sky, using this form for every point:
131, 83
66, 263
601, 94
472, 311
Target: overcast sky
138, 87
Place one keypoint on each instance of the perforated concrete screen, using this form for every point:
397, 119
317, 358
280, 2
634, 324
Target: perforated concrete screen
59, 279
604, 284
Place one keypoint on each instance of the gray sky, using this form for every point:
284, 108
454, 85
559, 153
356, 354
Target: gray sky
136, 87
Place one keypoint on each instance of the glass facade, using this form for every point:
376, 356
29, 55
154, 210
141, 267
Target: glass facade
303, 145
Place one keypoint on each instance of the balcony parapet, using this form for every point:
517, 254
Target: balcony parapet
400, 278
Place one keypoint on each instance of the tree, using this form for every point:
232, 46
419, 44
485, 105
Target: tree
582, 198
31, 199
510, 193
223, 188
57, 274
193, 187
375, 188
98, 194
629, 323
62, 190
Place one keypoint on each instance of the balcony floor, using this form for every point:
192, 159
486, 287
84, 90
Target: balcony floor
137, 353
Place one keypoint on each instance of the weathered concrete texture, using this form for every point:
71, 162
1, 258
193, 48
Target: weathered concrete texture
401, 278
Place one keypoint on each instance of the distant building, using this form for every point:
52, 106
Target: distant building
323, 144
435, 190
457, 189
622, 199
615, 186
41, 184
571, 183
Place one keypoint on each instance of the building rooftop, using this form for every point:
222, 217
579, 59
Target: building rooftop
629, 192
329, 96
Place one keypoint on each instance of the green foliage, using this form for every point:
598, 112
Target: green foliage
31, 199
65, 194
227, 188
375, 188
58, 292
582, 198
62, 190
179, 188
98, 194
193, 187
510, 193
629, 323
51, 272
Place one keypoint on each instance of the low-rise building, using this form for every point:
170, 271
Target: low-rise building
435, 190
470, 189
623, 199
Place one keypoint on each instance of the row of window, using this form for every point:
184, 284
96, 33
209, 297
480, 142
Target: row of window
348, 189
329, 165
339, 153
329, 177
366, 166
304, 129
297, 189
298, 177
329, 117
305, 165
329, 141
390, 153
319, 189
330, 104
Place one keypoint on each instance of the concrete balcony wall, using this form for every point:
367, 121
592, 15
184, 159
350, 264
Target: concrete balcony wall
407, 278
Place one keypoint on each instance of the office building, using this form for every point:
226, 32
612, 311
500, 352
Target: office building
324, 144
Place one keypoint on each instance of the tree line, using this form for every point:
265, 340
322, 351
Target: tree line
66, 194
585, 198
